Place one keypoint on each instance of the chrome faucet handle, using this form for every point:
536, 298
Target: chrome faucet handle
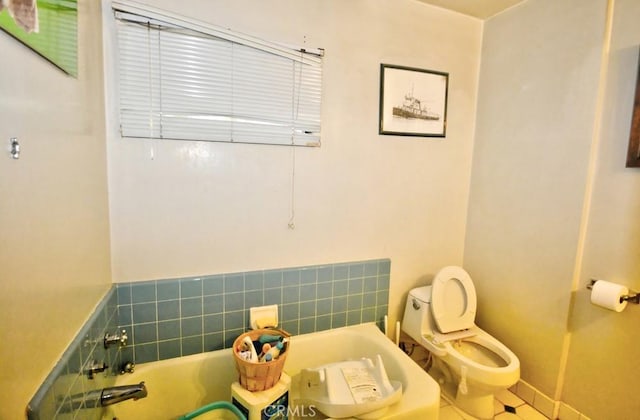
94, 367
121, 339
127, 367
416, 305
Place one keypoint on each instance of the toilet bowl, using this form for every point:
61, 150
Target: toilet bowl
470, 364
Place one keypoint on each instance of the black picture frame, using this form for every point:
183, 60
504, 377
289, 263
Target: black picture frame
413, 101
633, 152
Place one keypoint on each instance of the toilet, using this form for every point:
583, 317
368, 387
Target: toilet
469, 364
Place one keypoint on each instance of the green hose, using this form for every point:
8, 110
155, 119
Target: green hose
214, 406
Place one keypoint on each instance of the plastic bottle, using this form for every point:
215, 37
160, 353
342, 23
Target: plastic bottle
268, 338
273, 352
265, 348
249, 346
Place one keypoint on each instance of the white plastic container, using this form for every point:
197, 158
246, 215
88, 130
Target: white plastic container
351, 388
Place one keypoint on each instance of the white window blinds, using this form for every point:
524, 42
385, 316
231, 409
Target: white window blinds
187, 80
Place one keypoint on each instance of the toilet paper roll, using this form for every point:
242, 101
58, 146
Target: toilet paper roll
608, 295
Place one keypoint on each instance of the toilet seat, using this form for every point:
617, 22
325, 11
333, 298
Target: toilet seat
502, 376
453, 300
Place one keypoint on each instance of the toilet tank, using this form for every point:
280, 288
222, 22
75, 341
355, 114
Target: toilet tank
417, 313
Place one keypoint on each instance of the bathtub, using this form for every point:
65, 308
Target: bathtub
181, 385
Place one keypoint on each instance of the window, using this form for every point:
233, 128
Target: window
186, 80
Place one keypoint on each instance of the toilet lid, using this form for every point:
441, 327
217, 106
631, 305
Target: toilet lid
453, 300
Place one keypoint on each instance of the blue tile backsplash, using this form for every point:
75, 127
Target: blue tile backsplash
178, 317
62, 394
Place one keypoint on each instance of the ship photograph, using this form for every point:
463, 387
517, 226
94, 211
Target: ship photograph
413, 102
412, 108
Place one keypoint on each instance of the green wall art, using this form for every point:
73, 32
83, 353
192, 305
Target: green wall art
49, 27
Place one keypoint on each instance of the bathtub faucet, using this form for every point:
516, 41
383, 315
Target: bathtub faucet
103, 397
121, 393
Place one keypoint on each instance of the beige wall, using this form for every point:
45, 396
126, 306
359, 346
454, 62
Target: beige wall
551, 204
201, 208
604, 354
536, 111
54, 230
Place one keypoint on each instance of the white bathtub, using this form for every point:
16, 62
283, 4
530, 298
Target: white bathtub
178, 386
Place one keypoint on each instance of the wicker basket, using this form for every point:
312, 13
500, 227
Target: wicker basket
262, 375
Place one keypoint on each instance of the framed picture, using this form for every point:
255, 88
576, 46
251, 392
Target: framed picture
633, 153
49, 27
413, 102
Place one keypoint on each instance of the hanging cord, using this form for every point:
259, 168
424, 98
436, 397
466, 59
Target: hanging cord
233, 92
295, 99
294, 110
161, 108
152, 154
292, 214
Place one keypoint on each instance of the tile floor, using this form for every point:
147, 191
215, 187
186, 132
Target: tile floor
523, 411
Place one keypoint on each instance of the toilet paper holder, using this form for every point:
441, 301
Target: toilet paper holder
632, 297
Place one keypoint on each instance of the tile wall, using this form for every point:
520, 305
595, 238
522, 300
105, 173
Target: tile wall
177, 317
62, 394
